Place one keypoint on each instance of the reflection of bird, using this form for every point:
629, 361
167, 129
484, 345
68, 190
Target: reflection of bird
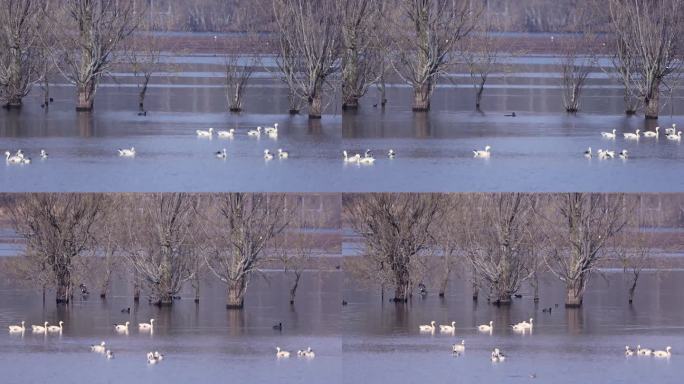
126, 310
344, 302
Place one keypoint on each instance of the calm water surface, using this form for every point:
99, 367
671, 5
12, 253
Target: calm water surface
382, 342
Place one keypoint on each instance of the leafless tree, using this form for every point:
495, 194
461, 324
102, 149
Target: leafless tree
575, 69
361, 55
633, 250
499, 241
309, 47
238, 69
144, 54
238, 235
58, 229
448, 237
88, 34
396, 229
424, 34
20, 48
579, 226
159, 242
647, 44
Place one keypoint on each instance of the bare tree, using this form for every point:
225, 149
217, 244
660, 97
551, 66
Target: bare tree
144, 54
20, 58
360, 54
632, 249
58, 229
579, 226
499, 241
88, 35
647, 43
238, 234
309, 47
424, 33
238, 70
575, 69
159, 242
397, 231
448, 237
482, 54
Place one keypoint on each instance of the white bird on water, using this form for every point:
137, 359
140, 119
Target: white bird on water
482, 153
628, 351
671, 130
122, 327
17, 328
208, 133
351, 159
146, 326
666, 353
623, 154
445, 328
282, 354
632, 136
677, 137
268, 155
427, 328
98, 348
12, 159
56, 328
254, 132
587, 153
43, 154
227, 134
391, 154
497, 355
652, 133
40, 328
283, 154
486, 327
222, 154
458, 348
609, 135
124, 152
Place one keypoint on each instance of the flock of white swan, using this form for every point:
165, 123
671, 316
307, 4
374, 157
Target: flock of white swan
123, 329
522, 327
670, 133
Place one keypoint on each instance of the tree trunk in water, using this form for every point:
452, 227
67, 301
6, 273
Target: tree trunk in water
315, 106
421, 97
651, 104
143, 93
86, 96
351, 102
63, 288
14, 102
295, 284
236, 294
502, 298
401, 289
235, 102
573, 295
478, 95
136, 286
632, 289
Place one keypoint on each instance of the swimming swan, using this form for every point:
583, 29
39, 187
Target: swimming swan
222, 154
254, 132
12, 159
391, 154
308, 353
152, 359
146, 326
448, 328
40, 328
207, 133
482, 153
17, 328
229, 133
497, 355
652, 134
268, 155
427, 328
458, 348
127, 152
644, 351
122, 327
671, 130
283, 154
351, 159
56, 328
628, 351
109, 354
587, 153
666, 353
98, 348
282, 354
623, 154
632, 136
486, 328
43, 154
609, 135
677, 137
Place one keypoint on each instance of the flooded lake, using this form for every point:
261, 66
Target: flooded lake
539, 150
382, 342
200, 343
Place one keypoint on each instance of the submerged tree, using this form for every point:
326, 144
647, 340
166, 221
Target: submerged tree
309, 42
647, 43
58, 229
580, 226
482, 54
159, 242
20, 49
239, 227
396, 229
499, 242
423, 34
89, 32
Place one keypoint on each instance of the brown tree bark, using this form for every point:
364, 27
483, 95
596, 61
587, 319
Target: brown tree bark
86, 96
315, 106
421, 97
652, 102
236, 294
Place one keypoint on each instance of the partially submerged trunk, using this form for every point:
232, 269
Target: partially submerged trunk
86, 96
236, 294
143, 92
351, 102
295, 284
421, 96
402, 287
652, 102
315, 106
574, 293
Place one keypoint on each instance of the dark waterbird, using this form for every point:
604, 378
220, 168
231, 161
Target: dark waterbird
511, 115
126, 310
278, 327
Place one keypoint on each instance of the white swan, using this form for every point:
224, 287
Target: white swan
308, 353
274, 128
40, 328
482, 153
122, 327
448, 328
254, 132
606, 154
17, 328
497, 355
207, 133
268, 155
652, 134
98, 348
56, 328
671, 130
527, 325
229, 133
283, 154
12, 159
126, 152
587, 153
486, 327
158, 355
628, 351
677, 137
609, 135
427, 328
109, 354
366, 159
391, 154
222, 154
151, 358
644, 351
458, 348
351, 159
282, 354
272, 132
623, 154
43, 154
146, 326
632, 136
666, 353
